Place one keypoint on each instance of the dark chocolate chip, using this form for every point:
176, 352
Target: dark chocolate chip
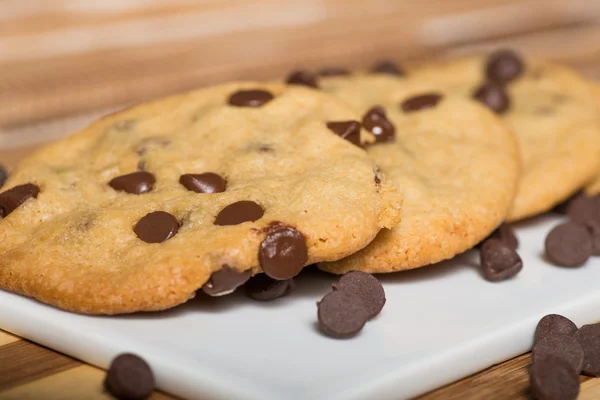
263, 288
506, 234
503, 66
375, 121
494, 96
250, 98
3, 175
583, 209
156, 227
553, 379
562, 208
559, 345
208, 182
421, 102
349, 130
333, 72
135, 183
13, 198
303, 77
569, 244
499, 261
387, 67
554, 323
150, 143
588, 337
283, 253
225, 280
238, 212
367, 287
593, 226
129, 377
341, 314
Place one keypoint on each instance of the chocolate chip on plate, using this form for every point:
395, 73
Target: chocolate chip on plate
283, 253
225, 281
499, 261
553, 379
503, 66
333, 71
494, 96
304, 78
421, 102
593, 226
569, 244
584, 209
387, 67
375, 121
559, 345
129, 377
208, 182
263, 288
250, 98
349, 130
156, 227
588, 337
554, 323
238, 212
13, 198
562, 208
3, 175
342, 314
367, 287
135, 183
506, 234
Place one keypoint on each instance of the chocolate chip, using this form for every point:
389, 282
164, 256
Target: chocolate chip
208, 182
503, 66
263, 288
13, 198
151, 143
569, 244
3, 175
506, 234
129, 377
583, 209
593, 227
349, 130
225, 280
421, 102
250, 98
283, 253
588, 337
499, 261
387, 67
135, 183
341, 314
554, 323
494, 96
305, 78
376, 122
562, 208
367, 287
553, 379
333, 72
238, 212
559, 345
156, 227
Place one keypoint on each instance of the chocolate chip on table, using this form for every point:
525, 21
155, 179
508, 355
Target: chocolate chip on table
156, 227
349, 130
283, 253
3, 175
584, 209
553, 379
387, 67
129, 377
13, 198
375, 121
367, 287
238, 212
263, 288
208, 182
569, 244
494, 96
135, 183
499, 261
554, 324
303, 77
559, 345
341, 314
503, 66
333, 71
421, 102
250, 98
225, 281
506, 234
588, 337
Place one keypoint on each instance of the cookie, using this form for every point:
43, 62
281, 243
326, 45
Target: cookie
593, 187
550, 108
200, 190
455, 162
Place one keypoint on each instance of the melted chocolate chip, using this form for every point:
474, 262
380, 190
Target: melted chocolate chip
208, 182
499, 261
304, 78
421, 102
341, 314
263, 288
156, 227
283, 253
134, 183
3, 175
238, 212
349, 130
387, 67
333, 71
367, 287
13, 198
376, 122
225, 281
503, 66
552, 324
569, 244
250, 98
494, 96
129, 377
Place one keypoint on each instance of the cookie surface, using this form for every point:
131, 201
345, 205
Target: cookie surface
145, 207
454, 161
593, 187
553, 114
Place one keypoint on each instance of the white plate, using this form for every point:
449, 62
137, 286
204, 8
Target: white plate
440, 324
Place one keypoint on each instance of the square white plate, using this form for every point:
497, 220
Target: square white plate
440, 324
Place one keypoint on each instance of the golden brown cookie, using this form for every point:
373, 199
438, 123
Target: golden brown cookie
200, 190
593, 187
